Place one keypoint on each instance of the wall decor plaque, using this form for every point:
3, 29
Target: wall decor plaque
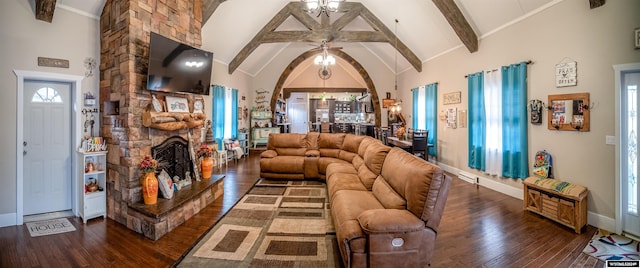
51, 62
451, 98
566, 74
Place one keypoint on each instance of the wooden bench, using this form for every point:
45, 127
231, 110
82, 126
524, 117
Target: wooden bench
565, 203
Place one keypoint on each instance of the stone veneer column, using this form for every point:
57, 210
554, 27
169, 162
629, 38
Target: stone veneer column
125, 27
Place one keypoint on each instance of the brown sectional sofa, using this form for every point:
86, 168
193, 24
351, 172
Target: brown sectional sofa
386, 204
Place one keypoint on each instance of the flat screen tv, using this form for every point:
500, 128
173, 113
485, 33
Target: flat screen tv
176, 67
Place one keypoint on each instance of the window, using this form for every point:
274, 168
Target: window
498, 121
46, 95
632, 148
425, 100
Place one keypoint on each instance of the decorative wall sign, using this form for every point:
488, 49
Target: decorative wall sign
566, 74
451, 98
452, 118
388, 102
51, 62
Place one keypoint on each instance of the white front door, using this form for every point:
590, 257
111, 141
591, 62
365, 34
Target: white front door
47, 147
629, 126
298, 113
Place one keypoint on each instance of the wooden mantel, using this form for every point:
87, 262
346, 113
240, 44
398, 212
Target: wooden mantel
172, 121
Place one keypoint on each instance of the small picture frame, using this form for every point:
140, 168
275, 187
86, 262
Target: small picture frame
637, 37
198, 106
177, 105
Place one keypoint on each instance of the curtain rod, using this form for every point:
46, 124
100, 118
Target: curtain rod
527, 62
426, 85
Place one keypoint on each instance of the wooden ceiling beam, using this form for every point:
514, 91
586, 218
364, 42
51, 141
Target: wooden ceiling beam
460, 25
325, 30
45, 9
596, 3
208, 8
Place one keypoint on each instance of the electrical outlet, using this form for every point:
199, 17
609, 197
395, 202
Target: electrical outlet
610, 140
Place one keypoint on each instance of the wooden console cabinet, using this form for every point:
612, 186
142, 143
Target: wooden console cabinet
568, 208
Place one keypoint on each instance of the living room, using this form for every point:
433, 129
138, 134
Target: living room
553, 33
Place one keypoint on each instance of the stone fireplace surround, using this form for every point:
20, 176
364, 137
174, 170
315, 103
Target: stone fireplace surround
125, 27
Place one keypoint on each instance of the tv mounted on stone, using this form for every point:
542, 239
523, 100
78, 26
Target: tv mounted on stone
177, 67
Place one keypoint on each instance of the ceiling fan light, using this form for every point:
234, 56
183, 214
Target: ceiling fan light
331, 60
318, 60
312, 5
333, 5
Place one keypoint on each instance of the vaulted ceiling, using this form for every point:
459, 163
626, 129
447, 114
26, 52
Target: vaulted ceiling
426, 28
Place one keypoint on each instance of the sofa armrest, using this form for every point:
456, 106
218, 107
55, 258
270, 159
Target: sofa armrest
268, 154
389, 221
312, 153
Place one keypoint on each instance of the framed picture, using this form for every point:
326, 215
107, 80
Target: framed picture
198, 106
177, 105
451, 98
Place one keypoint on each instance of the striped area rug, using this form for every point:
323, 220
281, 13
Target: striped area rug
276, 224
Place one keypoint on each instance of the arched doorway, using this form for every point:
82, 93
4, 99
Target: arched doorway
338, 53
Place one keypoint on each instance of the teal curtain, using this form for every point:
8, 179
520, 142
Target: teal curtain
431, 105
234, 113
218, 114
514, 121
414, 113
475, 84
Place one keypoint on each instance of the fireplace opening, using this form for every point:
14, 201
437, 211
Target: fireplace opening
173, 156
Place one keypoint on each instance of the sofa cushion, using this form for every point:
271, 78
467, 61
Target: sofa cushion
340, 168
366, 176
282, 164
312, 140
343, 181
288, 144
351, 143
330, 145
374, 156
413, 181
364, 144
324, 162
387, 196
357, 161
346, 155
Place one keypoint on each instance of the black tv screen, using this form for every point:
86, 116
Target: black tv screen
176, 67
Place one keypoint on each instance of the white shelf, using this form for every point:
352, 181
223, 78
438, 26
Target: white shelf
92, 204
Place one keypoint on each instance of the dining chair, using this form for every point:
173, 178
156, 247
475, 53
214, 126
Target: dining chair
325, 127
419, 145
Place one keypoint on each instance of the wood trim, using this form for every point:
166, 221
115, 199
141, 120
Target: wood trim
456, 19
325, 31
45, 9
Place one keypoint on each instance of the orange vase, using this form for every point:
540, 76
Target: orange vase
207, 167
150, 188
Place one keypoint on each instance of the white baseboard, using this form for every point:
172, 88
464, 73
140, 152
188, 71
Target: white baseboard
8, 219
602, 222
489, 183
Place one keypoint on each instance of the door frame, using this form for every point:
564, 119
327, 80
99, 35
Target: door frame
76, 96
618, 70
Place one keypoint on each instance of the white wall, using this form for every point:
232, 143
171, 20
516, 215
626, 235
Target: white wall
596, 39
70, 36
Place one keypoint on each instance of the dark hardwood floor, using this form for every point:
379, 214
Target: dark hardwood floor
480, 228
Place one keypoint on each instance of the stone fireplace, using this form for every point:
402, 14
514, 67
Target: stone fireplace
125, 27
